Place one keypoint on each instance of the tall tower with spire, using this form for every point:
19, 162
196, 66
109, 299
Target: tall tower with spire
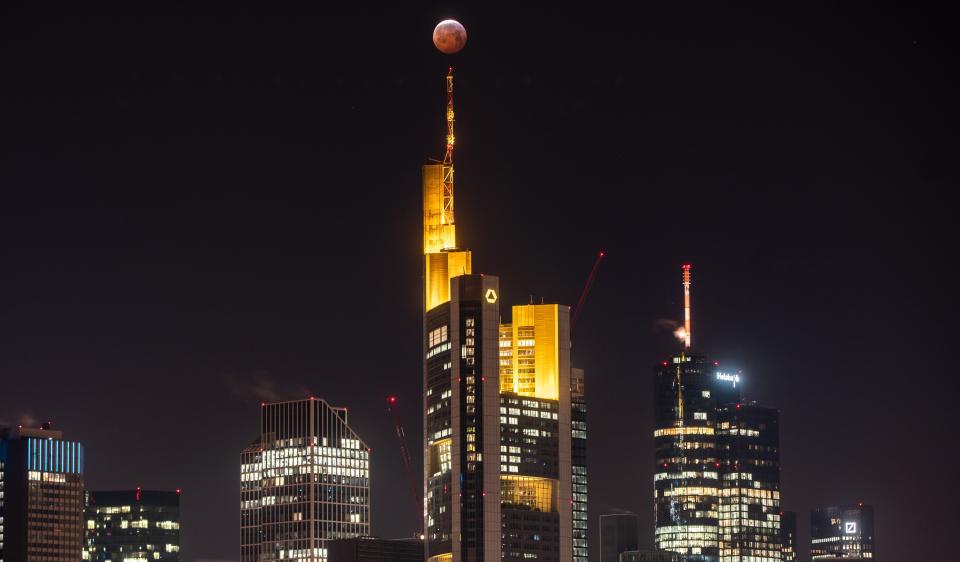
443, 260
504, 460
460, 380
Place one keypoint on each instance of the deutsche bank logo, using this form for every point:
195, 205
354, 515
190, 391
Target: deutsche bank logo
850, 527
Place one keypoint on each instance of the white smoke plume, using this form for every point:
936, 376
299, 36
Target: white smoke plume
261, 386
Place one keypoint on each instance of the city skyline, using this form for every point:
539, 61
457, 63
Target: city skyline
204, 228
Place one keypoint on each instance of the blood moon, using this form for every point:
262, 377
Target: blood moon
449, 36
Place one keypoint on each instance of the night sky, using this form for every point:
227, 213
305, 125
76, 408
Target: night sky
201, 209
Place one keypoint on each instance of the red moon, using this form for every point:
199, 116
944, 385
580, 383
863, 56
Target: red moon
449, 36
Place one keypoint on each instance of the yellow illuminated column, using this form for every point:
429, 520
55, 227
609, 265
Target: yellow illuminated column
442, 260
534, 351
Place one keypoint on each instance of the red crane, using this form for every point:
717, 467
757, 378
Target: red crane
586, 289
407, 462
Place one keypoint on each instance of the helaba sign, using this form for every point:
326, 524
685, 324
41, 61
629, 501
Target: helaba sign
729, 377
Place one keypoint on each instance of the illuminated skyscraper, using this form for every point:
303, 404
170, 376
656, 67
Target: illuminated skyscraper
303, 481
499, 403
717, 473
462, 430
536, 434
748, 436
41, 496
133, 525
687, 471
842, 533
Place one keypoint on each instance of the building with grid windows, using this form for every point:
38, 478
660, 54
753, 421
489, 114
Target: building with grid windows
133, 525
748, 437
717, 473
536, 435
578, 448
842, 533
505, 473
303, 481
687, 471
41, 496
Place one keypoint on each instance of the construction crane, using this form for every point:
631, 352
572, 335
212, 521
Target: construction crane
586, 289
407, 462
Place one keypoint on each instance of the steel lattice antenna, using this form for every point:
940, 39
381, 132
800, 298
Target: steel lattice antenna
447, 217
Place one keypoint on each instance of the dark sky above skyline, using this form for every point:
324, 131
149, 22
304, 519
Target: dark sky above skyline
203, 208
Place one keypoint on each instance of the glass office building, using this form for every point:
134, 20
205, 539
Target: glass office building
748, 438
304, 480
41, 496
842, 533
130, 525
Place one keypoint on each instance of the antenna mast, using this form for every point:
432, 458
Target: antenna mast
686, 306
447, 214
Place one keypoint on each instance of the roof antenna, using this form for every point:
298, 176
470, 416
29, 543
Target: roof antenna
687, 336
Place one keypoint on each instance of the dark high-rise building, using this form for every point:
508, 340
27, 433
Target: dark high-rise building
842, 533
748, 437
619, 533
41, 496
372, 549
499, 406
461, 422
788, 535
303, 481
133, 525
578, 421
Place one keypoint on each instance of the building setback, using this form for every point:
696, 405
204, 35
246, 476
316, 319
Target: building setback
303, 481
842, 533
133, 524
41, 496
619, 533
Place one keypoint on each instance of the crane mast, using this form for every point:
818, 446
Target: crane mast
407, 462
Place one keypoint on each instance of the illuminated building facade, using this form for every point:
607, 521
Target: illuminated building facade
499, 403
619, 533
133, 525
304, 481
688, 390
748, 436
461, 401
41, 496
788, 535
536, 431
842, 533
717, 473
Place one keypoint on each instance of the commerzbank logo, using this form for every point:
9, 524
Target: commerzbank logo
491, 296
